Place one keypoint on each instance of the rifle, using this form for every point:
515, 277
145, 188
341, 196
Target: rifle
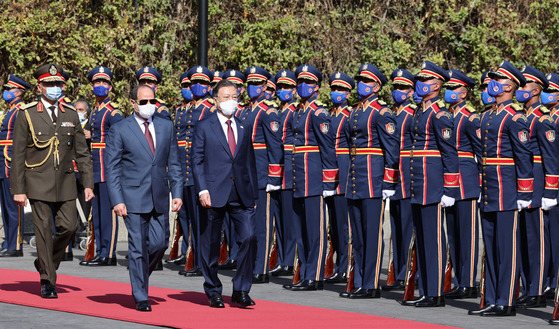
189, 259
19, 230
556, 300
391, 275
174, 253
482, 281
90, 249
329, 266
273, 259
222, 250
350, 286
297, 265
447, 272
411, 270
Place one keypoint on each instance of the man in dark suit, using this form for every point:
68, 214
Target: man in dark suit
141, 164
225, 180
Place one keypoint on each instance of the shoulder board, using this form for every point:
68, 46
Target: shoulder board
441, 104
68, 106
67, 99
243, 104
413, 106
544, 109
443, 113
319, 103
470, 109
519, 116
516, 107
160, 101
296, 104
28, 105
346, 112
115, 112
211, 101
385, 110
381, 102
270, 103
545, 117
320, 111
473, 116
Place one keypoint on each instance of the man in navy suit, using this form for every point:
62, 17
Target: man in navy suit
142, 163
225, 180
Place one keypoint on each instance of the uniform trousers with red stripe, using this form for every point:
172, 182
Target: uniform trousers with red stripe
534, 246
263, 231
431, 247
189, 219
553, 246
500, 236
339, 230
366, 218
105, 222
402, 229
11, 215
309, 212
287, 232
463, 236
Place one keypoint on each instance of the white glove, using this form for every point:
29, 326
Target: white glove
326, 194
387, 194
479, 199
270, 187
548, 203
521, 204
447, 201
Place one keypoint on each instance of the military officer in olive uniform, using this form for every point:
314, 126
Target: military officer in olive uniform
48, 135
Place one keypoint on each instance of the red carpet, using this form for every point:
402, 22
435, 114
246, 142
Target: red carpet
176, 308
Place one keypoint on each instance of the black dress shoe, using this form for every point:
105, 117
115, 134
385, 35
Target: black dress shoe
549, 293
275, 269
554, 322
308, 285
337, 278
242, 298
175, 260
533, 302
285, 271
500, 310
11, 253
481, 310
193, 272
413, 302
143, 306
102, 261
159, 266
260, 278
228, 265
437, 301
68, 256
216, 301
48, 291
361, 293
396, 286
462, 293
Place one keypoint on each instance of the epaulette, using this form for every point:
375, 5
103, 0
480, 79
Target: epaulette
544, 109
211, 101
413, 106
381, 102
516, 107
270, 103
160, 101
67, 99
443, 113
545, 117
116, 111
319, 103
470, 109
28, 105
441, 104
243, 104
473, 116
71, 107
320, 111
519, 116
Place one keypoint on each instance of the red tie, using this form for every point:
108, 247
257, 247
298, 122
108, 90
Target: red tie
149, 138
231, 138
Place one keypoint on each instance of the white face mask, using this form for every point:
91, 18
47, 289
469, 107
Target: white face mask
228, 107
146, 111
82, 117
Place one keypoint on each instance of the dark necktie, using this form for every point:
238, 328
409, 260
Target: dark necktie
231, 138
149, 138
52, 114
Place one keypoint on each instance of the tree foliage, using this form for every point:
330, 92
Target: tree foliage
469, 35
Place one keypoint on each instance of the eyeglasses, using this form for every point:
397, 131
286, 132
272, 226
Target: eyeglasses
145, 101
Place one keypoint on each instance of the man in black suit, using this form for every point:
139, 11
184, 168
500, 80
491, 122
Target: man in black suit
226, 182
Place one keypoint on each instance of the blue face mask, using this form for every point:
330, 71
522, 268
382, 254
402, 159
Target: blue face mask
53, 93
451, 96
549, 98
186, 94
254, 91
284, 95
494, 88
363, 90
338, 97
523, 95
198, 90
417, 99
304, 90
212, 93
486, 99
399, 96
9, 95
100, 91
269, 95
422, 89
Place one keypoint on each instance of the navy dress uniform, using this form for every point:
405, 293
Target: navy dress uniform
507, 186
105, 222
534, 222
400, 203
372, 176
434, 182
338, 215
313, 161
262, 116
462, 218
12, 215
151, 77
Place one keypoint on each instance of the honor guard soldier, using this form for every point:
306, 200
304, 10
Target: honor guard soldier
507, 186
151, 77
47, 137
434, 181
12, 215
271, 88
462, 218
288, 232
340, 89
313, 161
103, 116
266, 140
486, 99
401, 223
534, 222
374, 152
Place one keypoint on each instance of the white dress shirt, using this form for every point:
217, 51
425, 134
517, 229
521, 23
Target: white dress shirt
47, 106
150, 127
223, 120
